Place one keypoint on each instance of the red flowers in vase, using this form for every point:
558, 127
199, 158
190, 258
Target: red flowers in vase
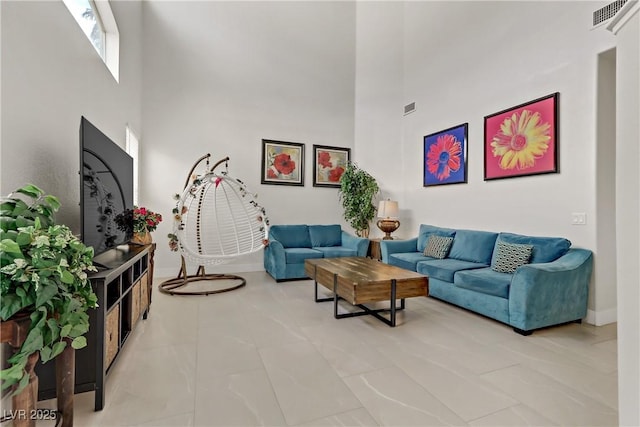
138, 220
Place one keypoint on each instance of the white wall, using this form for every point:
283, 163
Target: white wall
628, 213
51, 75
379, 100
221, 76
463, 61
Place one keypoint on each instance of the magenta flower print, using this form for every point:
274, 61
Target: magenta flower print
444, 157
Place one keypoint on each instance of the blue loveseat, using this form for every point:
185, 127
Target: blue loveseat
290, 245
551, 288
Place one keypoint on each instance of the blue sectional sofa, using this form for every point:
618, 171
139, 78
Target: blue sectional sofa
290, 245
550, 288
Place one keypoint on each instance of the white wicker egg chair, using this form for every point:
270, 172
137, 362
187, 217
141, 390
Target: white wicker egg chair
216, 219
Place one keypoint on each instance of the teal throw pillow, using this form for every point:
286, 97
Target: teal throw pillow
510, 256
325, 235
438, 246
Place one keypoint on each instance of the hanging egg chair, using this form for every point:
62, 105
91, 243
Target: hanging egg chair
216, 219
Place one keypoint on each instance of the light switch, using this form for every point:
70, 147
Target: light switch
578, 218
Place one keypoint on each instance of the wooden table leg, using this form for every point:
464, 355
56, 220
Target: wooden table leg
24, 403
65, 382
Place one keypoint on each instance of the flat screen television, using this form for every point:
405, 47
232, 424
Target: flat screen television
106, 188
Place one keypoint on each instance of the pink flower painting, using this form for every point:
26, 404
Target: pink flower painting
522, 140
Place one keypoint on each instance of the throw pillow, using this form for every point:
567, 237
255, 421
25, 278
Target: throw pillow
438, 246
511, 256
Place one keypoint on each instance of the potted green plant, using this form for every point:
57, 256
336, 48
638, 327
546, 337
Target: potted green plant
44, 276
357, 191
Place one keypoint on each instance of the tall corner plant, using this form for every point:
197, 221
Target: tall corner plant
357, 191
44, 277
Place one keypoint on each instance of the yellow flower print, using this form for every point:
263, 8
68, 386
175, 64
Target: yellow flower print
522, 140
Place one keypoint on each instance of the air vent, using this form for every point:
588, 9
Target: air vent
409, 108
605, 13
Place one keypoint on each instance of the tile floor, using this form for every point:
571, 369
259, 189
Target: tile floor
266, 354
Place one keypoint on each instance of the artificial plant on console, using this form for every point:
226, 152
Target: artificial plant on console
44, 276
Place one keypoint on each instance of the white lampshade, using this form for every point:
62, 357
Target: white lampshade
388, 209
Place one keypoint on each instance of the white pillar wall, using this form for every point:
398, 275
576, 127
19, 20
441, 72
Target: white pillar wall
626, 27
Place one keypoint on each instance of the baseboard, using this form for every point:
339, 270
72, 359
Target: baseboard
600, 318
165, 272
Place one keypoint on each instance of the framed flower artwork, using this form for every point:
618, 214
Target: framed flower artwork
282, 163
522, 140
329, 164
445, 156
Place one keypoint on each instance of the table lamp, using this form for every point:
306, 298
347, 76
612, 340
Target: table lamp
388, 212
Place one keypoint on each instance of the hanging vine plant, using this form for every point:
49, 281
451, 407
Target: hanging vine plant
357, 191
44, 278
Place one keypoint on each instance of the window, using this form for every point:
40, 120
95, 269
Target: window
98, 24
132, 150
86, 16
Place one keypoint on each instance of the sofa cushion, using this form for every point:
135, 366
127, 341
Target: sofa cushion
484, 280
325, 235
474, 246
545, 249
510, 256
298, 255
336, 251
427, 230
291, 236
438, 246
407, 260
444, 269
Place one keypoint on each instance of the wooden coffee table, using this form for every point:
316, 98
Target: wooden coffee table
362, 280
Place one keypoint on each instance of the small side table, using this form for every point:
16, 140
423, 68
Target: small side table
374, 249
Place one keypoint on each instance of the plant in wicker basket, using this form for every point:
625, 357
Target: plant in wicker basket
43, 277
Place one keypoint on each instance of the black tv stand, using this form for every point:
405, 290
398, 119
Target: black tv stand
123, 285
100, 267
115, 257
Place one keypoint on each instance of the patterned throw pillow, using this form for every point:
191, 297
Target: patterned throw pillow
438, 246
511, 256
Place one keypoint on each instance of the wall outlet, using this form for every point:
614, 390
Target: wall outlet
578, 218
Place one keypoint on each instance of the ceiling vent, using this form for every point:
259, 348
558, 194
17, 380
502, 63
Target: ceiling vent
409, 108
604, 14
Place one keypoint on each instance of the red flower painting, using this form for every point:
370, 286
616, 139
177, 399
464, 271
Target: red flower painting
444, 157
324, 159
282, 163
335, 174
330, 164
